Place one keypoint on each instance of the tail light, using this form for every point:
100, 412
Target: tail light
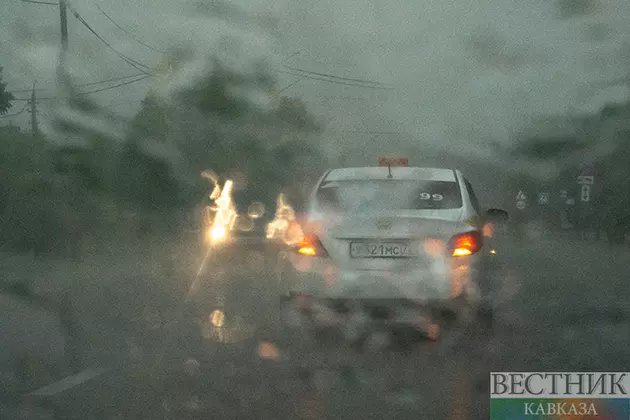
311, 246
465, 244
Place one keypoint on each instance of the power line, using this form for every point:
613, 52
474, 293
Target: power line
308, 74
116, 86
291, 84
292, 55
144, 77
127, 32
17, 113
45, 114
331, 80
28, 99
127, 59
338, 82
116, 79
367, 132
98, 82
343, 98
28, 90
349, 79
40, 2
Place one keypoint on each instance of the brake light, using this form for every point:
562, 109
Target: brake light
465, 244
311, 246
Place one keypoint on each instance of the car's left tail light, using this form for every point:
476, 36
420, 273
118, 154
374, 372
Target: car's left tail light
311, 246
465, 244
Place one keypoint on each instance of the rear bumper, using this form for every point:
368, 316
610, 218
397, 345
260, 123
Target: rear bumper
439, 283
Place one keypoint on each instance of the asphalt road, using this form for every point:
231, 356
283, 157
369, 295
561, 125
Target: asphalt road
565, 306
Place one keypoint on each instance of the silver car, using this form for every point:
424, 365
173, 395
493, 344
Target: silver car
393, 244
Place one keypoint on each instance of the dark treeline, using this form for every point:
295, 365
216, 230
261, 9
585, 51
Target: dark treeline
53, 195
596, 145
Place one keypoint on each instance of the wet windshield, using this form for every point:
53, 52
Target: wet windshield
163, 257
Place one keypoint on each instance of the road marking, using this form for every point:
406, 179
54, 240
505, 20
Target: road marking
68, 382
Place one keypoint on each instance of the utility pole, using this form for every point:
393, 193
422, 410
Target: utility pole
63, 20
34, 128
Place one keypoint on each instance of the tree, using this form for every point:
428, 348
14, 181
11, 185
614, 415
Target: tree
150, 121
87, 148
145, 180
219, 123
293, 111
549, 148
5, 97
602, 141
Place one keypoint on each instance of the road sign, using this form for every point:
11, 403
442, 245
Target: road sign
563, 194
586, 180
585, 195
520, 205
520, 196
543, 198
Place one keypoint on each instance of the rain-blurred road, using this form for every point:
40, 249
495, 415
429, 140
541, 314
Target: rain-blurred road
565, 307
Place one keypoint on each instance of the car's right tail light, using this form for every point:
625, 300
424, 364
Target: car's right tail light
311, 246
465, 244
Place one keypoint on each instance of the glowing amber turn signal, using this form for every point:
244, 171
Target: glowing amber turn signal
307, 250
461, 252
311, 247
466, 243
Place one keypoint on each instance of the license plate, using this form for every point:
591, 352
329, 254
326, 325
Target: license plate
382, 250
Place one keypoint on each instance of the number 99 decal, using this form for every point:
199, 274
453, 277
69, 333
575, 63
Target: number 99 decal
434, 197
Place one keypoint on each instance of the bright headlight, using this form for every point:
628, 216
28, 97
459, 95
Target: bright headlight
218, 233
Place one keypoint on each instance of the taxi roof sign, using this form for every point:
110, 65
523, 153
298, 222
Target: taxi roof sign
388, 161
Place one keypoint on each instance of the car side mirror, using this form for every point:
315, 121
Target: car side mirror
496, 216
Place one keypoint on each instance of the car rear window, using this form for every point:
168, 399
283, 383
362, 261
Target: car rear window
366, 195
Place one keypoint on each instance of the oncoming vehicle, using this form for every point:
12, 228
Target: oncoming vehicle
231, 218
395, 244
